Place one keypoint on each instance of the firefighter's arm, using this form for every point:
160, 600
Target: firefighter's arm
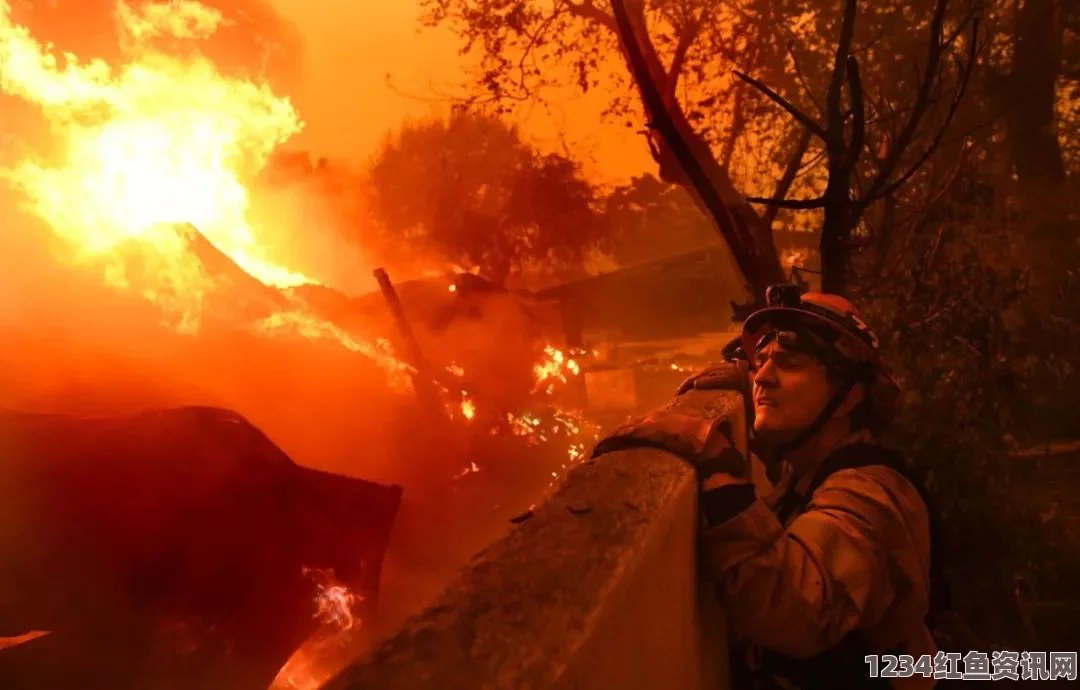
836, 567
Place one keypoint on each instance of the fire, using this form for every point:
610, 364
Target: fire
315, 662
335, 604
15, 641
151, 153
472, 468
468, 408
162, 142
144, 146
547, 423
555, 367
567, 425
399, 373
791, 258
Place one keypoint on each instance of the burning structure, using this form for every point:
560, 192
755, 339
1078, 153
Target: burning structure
149, 528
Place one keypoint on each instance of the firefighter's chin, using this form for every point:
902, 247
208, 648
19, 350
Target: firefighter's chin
773, 426
768, 418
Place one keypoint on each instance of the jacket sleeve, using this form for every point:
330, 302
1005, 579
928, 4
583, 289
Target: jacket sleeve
862, 543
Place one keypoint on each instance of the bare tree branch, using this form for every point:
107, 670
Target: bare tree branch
833, 113
587, 10
754, 253
858, 113
788, 178
793, 204
801, 117
738, 126
922, 100
533, 40
839, 221
843, 148
935, 143
687, 37
802, 80
685, 157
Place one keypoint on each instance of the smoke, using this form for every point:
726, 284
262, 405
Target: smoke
316, 211
254, 41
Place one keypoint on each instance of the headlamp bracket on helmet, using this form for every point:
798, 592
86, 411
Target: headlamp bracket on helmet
784, 295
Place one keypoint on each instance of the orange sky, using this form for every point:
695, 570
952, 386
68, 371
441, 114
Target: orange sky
351, 46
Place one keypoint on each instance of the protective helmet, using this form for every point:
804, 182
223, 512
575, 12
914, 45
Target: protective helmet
831, 327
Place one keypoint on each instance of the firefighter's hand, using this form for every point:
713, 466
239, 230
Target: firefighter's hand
704, 443
732, 376
720, 463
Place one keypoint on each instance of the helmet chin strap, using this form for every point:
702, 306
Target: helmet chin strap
826, 414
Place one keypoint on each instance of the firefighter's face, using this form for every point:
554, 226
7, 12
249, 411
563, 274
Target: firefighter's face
790, 391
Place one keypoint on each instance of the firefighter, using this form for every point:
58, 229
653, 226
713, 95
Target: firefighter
834, 564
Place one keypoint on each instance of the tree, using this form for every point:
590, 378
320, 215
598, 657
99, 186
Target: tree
699, 115
1038, 54
468, 190
849, 191
516, 41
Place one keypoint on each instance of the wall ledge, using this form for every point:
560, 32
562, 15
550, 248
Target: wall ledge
599, 588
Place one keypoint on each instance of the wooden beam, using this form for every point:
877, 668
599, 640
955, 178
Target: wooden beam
423, 379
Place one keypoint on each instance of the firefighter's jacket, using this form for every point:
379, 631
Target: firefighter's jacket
853, 563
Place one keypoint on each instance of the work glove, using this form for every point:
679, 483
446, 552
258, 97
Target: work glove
729, 376
704, 443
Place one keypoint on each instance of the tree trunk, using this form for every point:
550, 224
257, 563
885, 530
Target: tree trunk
751, 240
1031, 129
1030, 117
836, 233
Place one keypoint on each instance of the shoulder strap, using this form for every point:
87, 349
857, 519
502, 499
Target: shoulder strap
849, 457
859, 455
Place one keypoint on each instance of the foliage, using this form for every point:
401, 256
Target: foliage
700, 43
517, 46
984, 374
468, 190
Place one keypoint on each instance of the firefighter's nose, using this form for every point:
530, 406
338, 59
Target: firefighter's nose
765, 375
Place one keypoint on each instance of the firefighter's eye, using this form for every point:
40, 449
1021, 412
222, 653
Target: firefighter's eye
789, 359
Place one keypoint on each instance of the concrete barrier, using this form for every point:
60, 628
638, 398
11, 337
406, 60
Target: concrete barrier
599, 588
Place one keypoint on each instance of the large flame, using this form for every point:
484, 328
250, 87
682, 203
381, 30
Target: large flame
141, 147
162, 141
